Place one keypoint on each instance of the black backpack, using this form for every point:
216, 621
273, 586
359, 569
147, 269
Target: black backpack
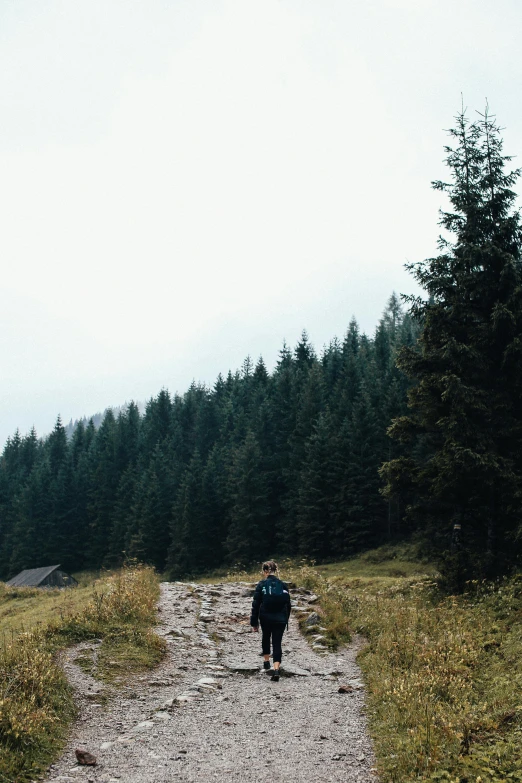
275, 597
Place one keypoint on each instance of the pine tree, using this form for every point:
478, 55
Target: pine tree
155, 426
190, 547
364, 510
248, 534
57, 446
309, 406
347, 388
31, 542
153, 510
103, 483
318, 488
465, 419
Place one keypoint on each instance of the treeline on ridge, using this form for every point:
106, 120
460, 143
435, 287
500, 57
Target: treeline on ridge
284, 462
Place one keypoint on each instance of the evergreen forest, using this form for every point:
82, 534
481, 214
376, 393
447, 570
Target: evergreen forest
263, 462
415, 431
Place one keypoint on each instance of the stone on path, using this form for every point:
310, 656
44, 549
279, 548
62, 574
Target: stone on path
85, 758
294, 671
243, 668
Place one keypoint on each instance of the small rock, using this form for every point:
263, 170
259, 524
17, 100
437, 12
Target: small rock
312, 619
143, 726
208, 681
361, 757
106, 745
345, 689
85, 758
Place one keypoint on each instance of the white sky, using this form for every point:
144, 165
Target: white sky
184, 182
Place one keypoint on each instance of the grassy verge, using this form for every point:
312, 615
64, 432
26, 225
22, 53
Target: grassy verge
36, 704
444, 674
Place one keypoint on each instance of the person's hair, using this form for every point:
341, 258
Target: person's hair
270, 567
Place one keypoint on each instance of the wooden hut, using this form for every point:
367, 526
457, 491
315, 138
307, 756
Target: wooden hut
50, 576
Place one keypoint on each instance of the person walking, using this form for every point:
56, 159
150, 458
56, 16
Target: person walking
271, 607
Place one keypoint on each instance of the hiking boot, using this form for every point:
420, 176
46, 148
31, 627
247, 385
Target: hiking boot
275, 676
266, 664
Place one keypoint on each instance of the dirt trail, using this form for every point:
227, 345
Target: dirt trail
209, 711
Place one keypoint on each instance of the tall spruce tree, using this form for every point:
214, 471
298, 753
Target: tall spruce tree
465, 421
318, 487
249, 537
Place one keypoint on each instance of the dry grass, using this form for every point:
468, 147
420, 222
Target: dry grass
35, 701
444, 674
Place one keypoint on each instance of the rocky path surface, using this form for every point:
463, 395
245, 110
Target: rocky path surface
209, 711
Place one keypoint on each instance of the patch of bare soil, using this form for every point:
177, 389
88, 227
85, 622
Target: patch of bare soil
210, 711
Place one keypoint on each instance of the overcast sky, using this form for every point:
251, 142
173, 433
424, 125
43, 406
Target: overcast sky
185, 182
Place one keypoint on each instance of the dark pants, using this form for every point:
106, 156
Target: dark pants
276, 631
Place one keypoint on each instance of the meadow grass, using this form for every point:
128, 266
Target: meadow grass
36, 705
443, 673
28, 608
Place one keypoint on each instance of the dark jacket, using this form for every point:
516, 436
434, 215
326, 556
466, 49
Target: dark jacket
281, 616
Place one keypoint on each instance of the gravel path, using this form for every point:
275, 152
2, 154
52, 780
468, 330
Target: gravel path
209, 711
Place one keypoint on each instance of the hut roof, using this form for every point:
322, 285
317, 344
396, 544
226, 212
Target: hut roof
31, 577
